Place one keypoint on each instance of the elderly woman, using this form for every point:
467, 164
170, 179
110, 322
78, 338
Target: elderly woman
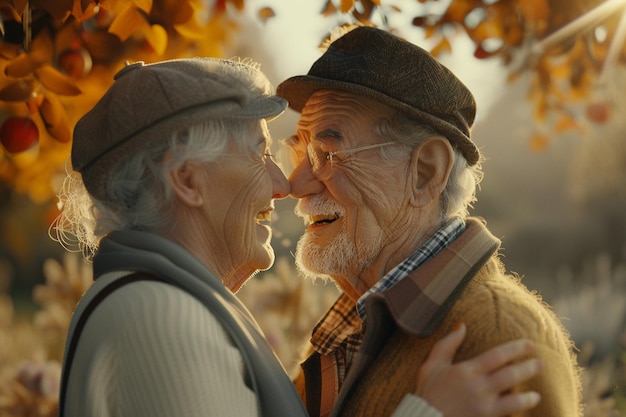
173, 181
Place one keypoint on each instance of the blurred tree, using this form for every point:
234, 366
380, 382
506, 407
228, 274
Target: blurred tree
58, 57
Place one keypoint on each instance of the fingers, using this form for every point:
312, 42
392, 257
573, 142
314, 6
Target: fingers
445, 349
514, 374
515, 403
500, 355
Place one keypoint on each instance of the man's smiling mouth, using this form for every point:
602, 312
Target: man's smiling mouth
323, 218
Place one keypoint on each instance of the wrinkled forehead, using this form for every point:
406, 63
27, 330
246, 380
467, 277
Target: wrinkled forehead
341, 106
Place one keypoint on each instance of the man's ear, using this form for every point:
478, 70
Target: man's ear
186, 181
431, 163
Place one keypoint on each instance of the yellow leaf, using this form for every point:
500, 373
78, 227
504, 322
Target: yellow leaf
20, 90
127, 23
55, 81
156, 36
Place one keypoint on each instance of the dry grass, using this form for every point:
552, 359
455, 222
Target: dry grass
287, 308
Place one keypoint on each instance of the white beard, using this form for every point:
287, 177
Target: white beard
342, 257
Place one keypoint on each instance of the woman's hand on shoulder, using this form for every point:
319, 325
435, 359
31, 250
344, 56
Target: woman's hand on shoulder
478, 387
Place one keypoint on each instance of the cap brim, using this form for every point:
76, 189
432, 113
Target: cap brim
297, 90
267, 107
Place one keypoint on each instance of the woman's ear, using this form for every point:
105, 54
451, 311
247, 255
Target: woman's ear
186, 181
431, 163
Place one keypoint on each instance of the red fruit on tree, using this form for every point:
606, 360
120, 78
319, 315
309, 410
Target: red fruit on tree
76, 63
599, 112
18, 134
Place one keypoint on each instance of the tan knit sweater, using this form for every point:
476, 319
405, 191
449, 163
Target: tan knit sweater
496, 308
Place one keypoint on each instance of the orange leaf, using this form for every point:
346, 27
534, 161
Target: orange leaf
514, 35
84, 10
145, 5
238, 4
8, 51
457, 10
34, 103
61, 131
191, 29
346, 6
538, 142
485, 30
174, 12
20, 90
127, 23
429, 32
55, 81
534, 10
442, 46
52, 111
21, 66
59, 9
19, 6
42, 47
329, 9
565, 123
266, 13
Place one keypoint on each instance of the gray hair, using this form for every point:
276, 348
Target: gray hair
460, 191
139, 196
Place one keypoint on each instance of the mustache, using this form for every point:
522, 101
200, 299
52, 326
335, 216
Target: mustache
316, 205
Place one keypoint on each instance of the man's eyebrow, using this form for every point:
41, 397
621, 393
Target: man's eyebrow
329, 133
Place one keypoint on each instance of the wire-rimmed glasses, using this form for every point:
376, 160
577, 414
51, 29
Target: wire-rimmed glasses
322, 160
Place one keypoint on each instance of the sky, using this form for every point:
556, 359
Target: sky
290, 41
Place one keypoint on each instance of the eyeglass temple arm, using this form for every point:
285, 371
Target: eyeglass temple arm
360, 148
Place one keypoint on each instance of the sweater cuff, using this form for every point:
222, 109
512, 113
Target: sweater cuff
412, 405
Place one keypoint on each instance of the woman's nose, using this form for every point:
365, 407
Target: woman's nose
280, 185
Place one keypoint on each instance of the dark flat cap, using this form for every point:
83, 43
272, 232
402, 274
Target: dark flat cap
149, 102
382, 66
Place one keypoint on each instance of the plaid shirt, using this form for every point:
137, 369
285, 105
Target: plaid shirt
340, 331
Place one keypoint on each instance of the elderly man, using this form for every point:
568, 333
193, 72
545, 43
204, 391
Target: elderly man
385, 170
172, 185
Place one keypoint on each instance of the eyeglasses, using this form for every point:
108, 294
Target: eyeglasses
322, 160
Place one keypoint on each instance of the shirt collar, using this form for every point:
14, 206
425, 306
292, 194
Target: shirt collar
442, 238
